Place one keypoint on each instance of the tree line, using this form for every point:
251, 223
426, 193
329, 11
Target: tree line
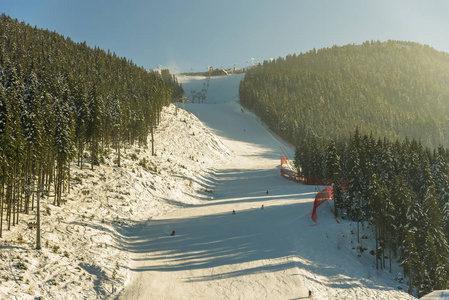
398, 176
401, 188
394, 89
61, 100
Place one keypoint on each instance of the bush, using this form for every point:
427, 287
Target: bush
362, 249
143, 163
21, 265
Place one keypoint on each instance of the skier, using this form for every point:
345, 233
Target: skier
310, 294
262, 206
173, 233
267, 192
233, 212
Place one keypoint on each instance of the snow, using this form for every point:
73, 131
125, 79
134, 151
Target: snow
114, 231
270, 253
84, 250
440, 294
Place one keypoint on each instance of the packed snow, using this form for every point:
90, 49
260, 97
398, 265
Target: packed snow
268, 249
436, 295
112, 239
84, 246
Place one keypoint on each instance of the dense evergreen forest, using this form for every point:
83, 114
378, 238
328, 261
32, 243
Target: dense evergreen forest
391, 89
395, 96
401, 188
61, 100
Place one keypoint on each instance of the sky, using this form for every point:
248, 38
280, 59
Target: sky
189, 35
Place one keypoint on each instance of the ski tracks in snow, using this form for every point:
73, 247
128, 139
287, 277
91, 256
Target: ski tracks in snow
270, 253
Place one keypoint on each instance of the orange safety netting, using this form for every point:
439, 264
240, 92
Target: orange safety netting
322, 197
284, 160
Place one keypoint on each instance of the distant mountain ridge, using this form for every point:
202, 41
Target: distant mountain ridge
392, 89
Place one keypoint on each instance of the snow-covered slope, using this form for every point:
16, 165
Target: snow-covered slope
84, 251
269, 253
112, 238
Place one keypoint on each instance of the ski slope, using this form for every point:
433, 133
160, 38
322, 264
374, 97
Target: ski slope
270, 253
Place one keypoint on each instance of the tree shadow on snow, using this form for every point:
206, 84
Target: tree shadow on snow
100, 275
226, 239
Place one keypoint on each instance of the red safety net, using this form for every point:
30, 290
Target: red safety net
284, 160
322, 197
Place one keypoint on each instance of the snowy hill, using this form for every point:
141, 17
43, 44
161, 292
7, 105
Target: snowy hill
84, 251
269, 253
112, 238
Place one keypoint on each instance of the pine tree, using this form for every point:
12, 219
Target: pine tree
298, 159
426, 180
355, 192
426, 285
437, 262
63, 144
5, 150
446, 220
32, 127
440, 172
433, 265
389, 223
386, 163
332, 161
47, 159
94, 123
417, 220
411, 260
375, 204
116, 124
333, 171
402, 198
14, 92
81, 114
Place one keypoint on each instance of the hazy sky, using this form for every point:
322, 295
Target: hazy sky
195, 33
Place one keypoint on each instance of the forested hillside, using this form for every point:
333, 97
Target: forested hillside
398, 188
59, 100
391, 89
395, 96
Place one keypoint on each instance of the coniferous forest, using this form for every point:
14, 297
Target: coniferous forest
401, 189
391, 89
373, 116
61, 101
